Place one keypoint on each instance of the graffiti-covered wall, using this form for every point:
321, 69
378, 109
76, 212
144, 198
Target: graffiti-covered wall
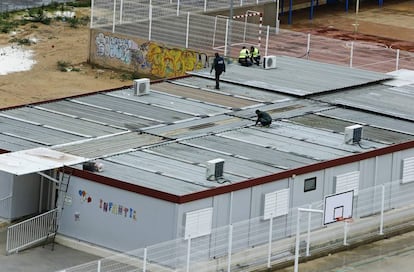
143, 57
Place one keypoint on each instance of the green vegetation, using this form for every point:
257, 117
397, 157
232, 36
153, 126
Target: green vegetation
10, 21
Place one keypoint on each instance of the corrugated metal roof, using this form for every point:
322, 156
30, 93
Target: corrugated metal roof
381, 99
237, 166
21, 129
112, 144
135, 108
200, 127
61, 122
253, 152
369, 133
204, 95
298, 77
176, 103
97, 114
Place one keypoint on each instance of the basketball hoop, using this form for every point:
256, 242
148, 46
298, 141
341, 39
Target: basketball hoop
346, 220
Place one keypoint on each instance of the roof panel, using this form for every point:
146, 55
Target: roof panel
97, 114
204, 95
381, 99
35, 133
314, 77
175, 103
134, 108
61, 122
252, 152
113, 144
237, 166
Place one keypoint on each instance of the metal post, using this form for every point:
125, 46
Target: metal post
296, 268
267, 40
144, 265
269, 250
99, 266
277, 17
229, 248
121, 10
231, 208
178, 7
92, 8
225, 41
352, 54
397, 61
345, 232
150, 21
308, 47
311, 10
188, 29
309, 229
188, 253
382, 210
113, 17
205, 5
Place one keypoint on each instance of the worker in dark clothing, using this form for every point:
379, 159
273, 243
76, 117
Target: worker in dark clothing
263, 118
220, 67
255, 55
244, 57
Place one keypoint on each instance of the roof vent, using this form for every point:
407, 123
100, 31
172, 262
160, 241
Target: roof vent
269, 62
141, 86
215, 169
353, 134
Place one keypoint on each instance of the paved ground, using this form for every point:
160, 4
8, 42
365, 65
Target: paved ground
393, 254
40, 259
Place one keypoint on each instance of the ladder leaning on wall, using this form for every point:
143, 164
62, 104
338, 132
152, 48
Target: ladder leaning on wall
64, 180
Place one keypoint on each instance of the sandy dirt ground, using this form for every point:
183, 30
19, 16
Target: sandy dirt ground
393, 24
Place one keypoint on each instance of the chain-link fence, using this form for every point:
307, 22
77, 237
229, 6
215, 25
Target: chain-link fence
259, 243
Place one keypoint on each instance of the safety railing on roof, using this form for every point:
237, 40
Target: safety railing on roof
29, 232
186, 28
260, 244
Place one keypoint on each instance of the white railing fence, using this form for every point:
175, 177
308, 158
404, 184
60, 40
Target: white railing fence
29, 232
185, 28
260, 244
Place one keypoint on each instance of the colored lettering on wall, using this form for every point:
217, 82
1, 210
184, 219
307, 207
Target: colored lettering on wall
117, 209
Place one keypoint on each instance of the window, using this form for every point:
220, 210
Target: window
310, 184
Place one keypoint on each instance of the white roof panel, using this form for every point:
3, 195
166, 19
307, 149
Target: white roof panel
37, 159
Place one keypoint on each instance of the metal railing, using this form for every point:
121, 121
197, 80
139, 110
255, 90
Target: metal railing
29, 232
260, 244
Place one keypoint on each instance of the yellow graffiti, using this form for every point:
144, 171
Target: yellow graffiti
174, 62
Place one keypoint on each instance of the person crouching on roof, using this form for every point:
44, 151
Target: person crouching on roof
263, 118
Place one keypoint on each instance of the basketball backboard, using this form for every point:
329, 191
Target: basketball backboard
338, 207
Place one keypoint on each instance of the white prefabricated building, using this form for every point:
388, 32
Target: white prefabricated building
183, 151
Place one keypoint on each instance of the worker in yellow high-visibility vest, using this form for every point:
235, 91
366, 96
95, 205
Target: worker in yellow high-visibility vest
244, 57
255, 55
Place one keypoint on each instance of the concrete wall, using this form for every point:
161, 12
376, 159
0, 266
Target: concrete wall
116, 219
112, 50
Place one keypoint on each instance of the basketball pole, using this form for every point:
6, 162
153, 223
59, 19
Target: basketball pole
298, 234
